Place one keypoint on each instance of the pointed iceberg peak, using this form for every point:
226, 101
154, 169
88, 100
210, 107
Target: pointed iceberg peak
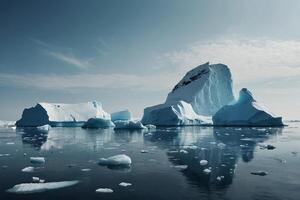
245, 96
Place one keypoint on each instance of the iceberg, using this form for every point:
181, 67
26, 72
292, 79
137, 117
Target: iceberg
121, 159
246, 111
58, 114
37, 160
98, 123
178, 113
129, 124
25, 188
121, 115
194, 99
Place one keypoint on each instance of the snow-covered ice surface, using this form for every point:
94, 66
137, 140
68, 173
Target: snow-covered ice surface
25, 188
59, 114
197, 96
207, 88
121, 115
129, 124
98, 123
170, 170
246, 112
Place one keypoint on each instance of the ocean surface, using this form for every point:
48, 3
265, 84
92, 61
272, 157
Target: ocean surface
236, 163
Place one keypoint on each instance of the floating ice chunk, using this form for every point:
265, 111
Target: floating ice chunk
98, 123
126, 124
221, 145
219, 178
144, 151
180, 166
24, 188
260, 173
121, 159
203, 162
35, 179
38, 160
85, 170
124, 184
207, 171
150, 126
44, 128
121, 115
183, 151
28, 169
104, 190
10, 143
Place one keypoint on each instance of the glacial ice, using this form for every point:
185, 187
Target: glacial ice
104, 190
120, 159
58, 114
129, 124
28, 169
245, 112
124, 184
44, 128
25, 188
176, 114
197, 96
98, 123
37, 160
207, 88
121, 115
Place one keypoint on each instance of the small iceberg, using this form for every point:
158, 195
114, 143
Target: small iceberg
37, 160
25, 188
124, 184
104, 190
117, 160
203, 162
121, 115
28, 169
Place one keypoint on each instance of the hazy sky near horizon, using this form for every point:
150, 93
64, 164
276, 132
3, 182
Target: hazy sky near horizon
129, 54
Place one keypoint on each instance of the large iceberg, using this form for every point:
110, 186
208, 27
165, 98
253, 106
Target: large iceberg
197, 96
245, 112
58, 114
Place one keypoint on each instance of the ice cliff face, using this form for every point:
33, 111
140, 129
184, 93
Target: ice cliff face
245, 112
207, 88
57, 114
200, 93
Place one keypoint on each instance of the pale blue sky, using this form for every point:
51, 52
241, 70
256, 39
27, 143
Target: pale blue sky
129, 54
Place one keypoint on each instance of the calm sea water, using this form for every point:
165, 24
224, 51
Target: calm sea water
169, 170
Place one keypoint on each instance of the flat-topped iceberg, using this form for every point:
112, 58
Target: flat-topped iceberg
98, 123
197, 96
58, 114
246, 112
121, 115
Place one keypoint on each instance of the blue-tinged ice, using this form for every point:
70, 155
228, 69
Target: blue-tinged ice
246, 112
121, 115
98, 123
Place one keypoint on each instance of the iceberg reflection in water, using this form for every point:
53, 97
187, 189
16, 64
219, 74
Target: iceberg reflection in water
196, 162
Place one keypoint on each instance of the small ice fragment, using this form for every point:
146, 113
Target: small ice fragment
28, 169
207, 171
120, 159
260, 173
104, 190
144, 151
86, 170
10, 143
203, 162
25, 188
35, 179
221, 145
124, 184
42, 181
44, 128
150, 126
38, 160
183, 151
180, 166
